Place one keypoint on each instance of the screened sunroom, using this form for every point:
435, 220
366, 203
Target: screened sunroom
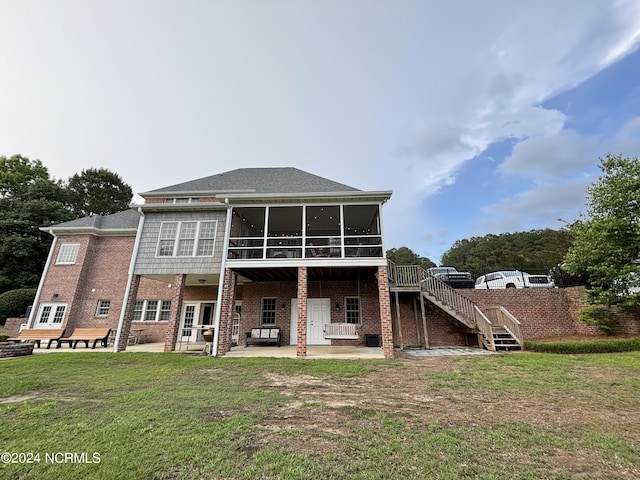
309, 232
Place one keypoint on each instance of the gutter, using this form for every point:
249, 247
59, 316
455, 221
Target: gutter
132, 264
34, 310
223, 264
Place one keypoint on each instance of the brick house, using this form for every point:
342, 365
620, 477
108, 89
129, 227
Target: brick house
251, 247
273, 247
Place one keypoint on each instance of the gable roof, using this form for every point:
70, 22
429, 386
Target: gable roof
116, 223
283, 180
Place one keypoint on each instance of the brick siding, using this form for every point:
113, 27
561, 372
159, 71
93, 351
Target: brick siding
541, 312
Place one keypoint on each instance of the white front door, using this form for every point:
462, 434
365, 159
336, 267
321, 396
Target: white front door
318, 315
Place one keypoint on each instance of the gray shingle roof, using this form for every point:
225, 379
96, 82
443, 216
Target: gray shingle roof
125, 220
259, 180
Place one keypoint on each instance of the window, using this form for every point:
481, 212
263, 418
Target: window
181, 200
103, 308
268, 316
352, 310
51, 314
68, 253
165, 310
186, 239
152, 311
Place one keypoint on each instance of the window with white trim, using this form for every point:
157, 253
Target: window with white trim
68, 254
102, 309
51, 314
268, 315
181, 200
352, 310
186, 239
152, 311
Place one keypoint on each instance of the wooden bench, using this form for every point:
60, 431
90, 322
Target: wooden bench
38, 335
86, 335
263, 336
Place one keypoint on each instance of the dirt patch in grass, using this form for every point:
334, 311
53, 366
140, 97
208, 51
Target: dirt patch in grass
323, 412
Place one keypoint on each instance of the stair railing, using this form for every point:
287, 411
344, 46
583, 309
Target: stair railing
502, 317
485, 328
448, 296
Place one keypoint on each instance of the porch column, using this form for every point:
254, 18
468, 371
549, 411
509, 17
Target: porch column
174, 315
227, 309
385, 312
301, 347
128, 313
424, 322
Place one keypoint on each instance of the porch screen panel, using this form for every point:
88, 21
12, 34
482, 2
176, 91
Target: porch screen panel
246, 240
284, 235
362, 232
323, 235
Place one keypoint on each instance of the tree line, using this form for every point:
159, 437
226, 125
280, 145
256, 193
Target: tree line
602, 247
30, 198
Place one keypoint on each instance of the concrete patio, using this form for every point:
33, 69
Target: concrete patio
287, 351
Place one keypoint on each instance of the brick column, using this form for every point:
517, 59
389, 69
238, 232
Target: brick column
227, 309
385, 312
128, 313
301, 347
174, 315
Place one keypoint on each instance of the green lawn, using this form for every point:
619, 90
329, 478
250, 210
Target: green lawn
166, 416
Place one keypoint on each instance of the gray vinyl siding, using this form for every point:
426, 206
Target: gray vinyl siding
148, 263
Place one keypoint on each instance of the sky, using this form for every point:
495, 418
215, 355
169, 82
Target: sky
481, 117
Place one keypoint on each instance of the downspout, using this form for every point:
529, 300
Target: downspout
34, 310
225, 250
132, 264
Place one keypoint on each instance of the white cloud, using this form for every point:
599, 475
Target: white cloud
378, 95
540, 207
552, 157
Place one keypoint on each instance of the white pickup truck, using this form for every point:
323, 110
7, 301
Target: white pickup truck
513, 279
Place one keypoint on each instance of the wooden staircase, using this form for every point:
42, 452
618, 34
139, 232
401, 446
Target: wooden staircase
496, 328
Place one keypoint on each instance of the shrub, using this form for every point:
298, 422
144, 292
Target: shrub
3, 337
599, 316
14, 303
587, 346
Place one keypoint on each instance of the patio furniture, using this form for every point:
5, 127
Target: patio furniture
263, 336
38, 335
86, 335
341, 331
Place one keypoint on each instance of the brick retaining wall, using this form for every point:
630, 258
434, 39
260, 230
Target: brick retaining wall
15, 349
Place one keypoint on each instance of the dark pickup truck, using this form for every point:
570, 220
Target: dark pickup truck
452, 277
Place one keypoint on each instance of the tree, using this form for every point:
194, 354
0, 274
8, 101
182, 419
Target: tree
14, 303
535, 251
98, 191
607, 240
29, 199
406, 256
18, 173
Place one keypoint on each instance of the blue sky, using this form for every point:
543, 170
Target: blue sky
482, 117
